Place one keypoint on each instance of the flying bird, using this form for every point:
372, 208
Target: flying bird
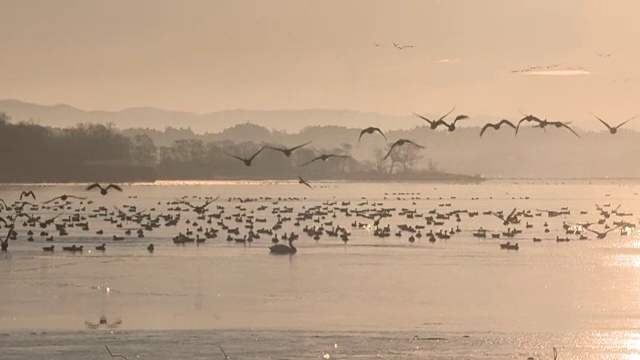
202, 208
400, 143
452, 126
613, 129
324, 157
560, 124
434, 123
371, 130
509, 219
247, 162
64, 198
104, 190
496, 126
27, 194
600, 235
304, 182
401, 47
289, 151
530, 118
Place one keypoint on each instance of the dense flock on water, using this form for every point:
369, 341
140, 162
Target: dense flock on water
280, 221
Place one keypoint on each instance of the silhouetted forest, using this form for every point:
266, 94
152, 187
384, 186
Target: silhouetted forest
90, 152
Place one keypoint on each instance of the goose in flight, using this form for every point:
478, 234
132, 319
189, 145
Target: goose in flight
371, 130
600, 235
496, 126
324, 157
560, 124
247, 162
529, 118
288, 151
27, 194
304, 182
104, 190
452, 126
613, 129
400, 143
510, 218
401, 47
434, 123
64, 198
201, 208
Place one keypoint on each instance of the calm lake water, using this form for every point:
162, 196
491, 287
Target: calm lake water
369, 298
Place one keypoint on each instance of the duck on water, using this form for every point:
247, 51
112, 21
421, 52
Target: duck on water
284, 249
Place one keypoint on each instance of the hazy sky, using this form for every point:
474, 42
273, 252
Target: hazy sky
203, 56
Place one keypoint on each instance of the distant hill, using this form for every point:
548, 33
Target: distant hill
152, 118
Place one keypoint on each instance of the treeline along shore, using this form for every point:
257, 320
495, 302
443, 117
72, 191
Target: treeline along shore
33, 153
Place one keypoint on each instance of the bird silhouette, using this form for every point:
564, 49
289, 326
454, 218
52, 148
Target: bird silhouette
64, 198
104, 190
530, 118
324, 157
510, 218
401, 47
201, 208
560, 124
304, 182
496, 126
288, 151
27, 194
371, 130
400, 143
434, 123
452, 126
613, 129
247, 162
600, 235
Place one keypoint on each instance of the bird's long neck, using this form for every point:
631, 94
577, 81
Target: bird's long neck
291, 245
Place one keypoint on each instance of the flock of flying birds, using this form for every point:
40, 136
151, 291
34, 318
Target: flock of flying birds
433, 124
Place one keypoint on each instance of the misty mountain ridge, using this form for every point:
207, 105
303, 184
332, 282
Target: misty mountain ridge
63, 115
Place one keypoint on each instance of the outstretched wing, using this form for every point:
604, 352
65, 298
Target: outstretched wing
94, 186
114, 186
570, 129
303, 181
506, 122
76, 197
624, 122
602, 121
423, 118
312, 160
485, 127
234, 156
381, 133
391, 149
364, 131
299, 146
447, 114
52, 200
256, 154
460, 117
414, 144
275, 148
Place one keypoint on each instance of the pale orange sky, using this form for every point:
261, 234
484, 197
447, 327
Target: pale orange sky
203, 56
